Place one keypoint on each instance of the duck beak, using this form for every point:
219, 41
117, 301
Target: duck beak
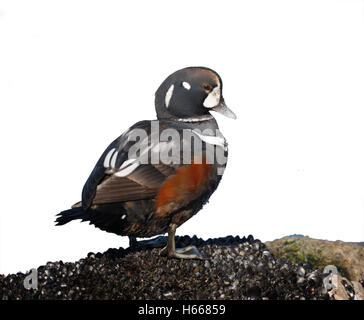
223, 109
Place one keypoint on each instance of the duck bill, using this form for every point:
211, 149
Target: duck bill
223, 109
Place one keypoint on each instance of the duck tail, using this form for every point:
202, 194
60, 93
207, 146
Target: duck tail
69, 215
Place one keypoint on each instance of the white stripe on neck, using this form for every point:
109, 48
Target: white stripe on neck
196, 119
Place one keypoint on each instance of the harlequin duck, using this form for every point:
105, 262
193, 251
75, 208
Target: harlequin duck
159, 173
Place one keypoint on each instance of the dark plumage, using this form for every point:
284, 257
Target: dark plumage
146, 187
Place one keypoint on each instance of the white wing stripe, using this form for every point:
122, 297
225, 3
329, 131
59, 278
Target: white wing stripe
113, 160
128, 170
127, 163
108, 157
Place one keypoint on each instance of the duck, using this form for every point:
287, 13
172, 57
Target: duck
160, 173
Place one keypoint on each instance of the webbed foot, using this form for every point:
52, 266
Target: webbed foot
170, 250
189, 252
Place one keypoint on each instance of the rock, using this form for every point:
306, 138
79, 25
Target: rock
358, 289
343, 289
234, 268
301, 271
347, 257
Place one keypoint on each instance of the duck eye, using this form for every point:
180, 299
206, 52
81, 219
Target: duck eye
207, 87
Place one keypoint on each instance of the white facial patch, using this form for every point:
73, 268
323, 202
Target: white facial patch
186, 85
168, 97
213, 99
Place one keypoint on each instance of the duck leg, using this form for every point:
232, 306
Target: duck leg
133, 243
170, 250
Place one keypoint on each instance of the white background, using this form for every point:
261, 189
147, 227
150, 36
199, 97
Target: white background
75, 74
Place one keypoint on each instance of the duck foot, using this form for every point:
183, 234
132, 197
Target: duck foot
170, 250
189, 252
